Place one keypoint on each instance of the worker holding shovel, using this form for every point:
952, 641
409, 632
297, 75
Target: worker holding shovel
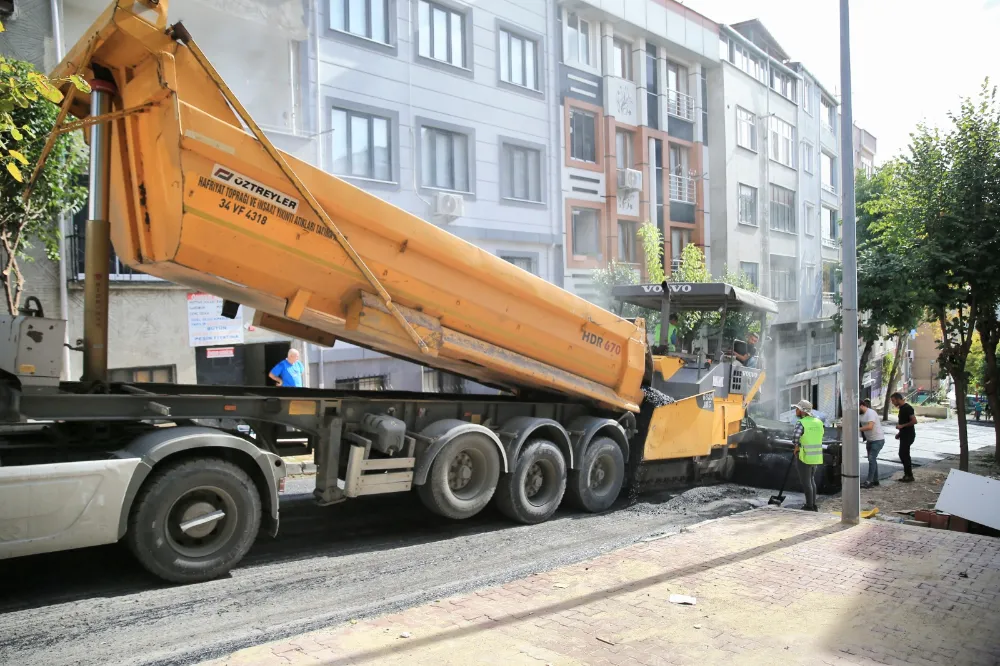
808, 440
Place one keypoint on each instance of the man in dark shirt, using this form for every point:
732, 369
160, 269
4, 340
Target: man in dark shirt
905, 433
749, 358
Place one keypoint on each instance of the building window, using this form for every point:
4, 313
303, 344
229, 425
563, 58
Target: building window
793, 356
372, 383
521, 178
627, 232
783, 209
679, 239
783, 84
652, 89
740, 56
825, 349
746, 129
623, 149
807, 97
831, 227
782, 145
831, 283
435, 381
865, 164
679, 103
361, 145
752, 272
784, 285
808, 157
829, 116
621, 59
582, 131
704, 108
518, 60
524, 263
657, 184
577, 40
162, 374
586, 232
682, 185
444, 159
364, 18
748, 205
442, 34
810, 218
828, 168
118, 270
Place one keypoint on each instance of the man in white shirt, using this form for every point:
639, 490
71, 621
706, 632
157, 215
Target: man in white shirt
871, 428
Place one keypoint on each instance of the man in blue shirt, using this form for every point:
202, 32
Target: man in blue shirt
289, 371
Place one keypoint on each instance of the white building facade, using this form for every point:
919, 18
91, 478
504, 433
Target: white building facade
776, 206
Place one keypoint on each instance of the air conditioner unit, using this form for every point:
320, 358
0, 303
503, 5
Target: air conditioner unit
629, 179
448, 205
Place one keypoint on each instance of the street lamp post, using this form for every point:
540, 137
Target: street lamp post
850, 466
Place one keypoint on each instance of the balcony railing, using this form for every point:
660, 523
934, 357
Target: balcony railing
682, 189
680, 105
829, 242
827, 187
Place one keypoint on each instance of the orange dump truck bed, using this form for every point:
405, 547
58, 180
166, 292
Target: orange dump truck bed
196, 200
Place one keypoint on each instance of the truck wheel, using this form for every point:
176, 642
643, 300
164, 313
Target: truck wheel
194, 520
531, 493
463, 477
595, 485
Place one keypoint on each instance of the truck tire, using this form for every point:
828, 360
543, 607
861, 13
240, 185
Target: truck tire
532, 491
595, 485
462, 478
180, 494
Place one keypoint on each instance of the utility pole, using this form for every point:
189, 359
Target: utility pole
850, 465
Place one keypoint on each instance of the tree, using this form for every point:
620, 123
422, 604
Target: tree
692, 268
975, 207
27, 115
884, 300
617, 274
946, 219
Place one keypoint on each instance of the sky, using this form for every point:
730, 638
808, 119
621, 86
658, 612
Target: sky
912, 61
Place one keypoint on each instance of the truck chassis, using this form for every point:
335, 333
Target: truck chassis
167, 467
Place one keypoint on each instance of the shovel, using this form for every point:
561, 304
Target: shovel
776, 500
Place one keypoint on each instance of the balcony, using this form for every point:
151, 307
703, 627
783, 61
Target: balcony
680, 105
682, 189
827, 187
829, 307
829, 242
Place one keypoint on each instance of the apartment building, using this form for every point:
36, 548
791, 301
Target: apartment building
631, 95
442, 108
775, 202
158, 330
865, 147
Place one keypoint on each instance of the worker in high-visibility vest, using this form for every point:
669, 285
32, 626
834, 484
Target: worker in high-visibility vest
671, 334
808, 440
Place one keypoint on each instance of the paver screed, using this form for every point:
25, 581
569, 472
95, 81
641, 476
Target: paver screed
772, 586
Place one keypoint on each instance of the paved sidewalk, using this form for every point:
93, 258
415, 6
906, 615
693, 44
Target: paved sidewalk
772, 586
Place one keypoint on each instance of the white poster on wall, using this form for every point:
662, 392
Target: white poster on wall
206, 325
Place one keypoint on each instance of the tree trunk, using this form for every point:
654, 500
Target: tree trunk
863, 361
989, 337
963, 433
891, 386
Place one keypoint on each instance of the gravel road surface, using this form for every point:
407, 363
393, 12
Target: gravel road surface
328, 565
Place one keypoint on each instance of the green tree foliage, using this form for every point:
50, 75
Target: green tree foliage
27, 115
692, 268
943, 216
617, 274
884, 300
